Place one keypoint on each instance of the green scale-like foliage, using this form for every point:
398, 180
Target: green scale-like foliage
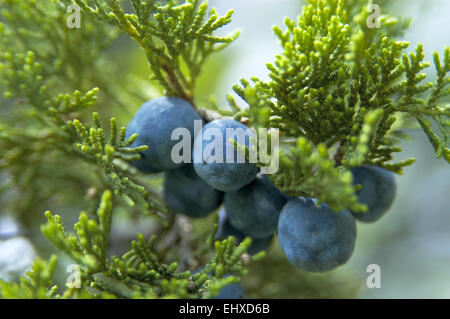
176, 38
338, 88
138, 274
70, 137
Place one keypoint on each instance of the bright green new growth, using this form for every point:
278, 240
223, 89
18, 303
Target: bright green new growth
338, 88
176, 38
138, 274
339, 93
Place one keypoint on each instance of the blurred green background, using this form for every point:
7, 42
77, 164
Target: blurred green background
411, 244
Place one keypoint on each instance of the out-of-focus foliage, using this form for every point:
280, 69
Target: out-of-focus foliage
177, 38
47, 147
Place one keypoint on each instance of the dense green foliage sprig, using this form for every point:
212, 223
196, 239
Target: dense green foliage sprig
40, 58
105, 153
138, 274
338, 87
70, 57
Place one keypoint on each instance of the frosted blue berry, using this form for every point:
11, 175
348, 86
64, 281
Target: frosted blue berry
315, 239
154, 123
255, 208
377, 192
188, 194
216, 159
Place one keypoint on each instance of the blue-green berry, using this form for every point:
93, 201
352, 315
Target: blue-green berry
315, 238
377, 192
154, 123
231, 291
188, 194
217, 161
255, 208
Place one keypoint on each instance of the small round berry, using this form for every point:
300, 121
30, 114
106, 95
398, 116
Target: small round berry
315, 238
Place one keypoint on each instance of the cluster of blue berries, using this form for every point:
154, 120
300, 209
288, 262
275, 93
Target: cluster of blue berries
313, 237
